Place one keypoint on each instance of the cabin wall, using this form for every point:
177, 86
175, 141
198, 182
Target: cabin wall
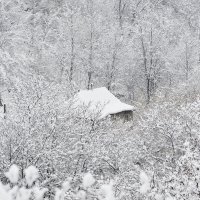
124, 115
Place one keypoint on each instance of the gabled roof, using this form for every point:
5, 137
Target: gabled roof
100, 101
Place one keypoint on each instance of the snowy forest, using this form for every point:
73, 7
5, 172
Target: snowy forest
144, 52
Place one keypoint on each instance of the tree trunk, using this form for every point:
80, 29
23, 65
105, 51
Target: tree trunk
147, 78
72, 51
111, 74
90, 71
186, 62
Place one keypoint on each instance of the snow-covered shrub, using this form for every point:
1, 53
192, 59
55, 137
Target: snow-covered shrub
22, 190
13, 174
145, 183
31, 175
170, 136
107, 191
30, 189
183, 182
88, 180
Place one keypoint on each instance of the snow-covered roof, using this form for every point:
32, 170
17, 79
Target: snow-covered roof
100, 101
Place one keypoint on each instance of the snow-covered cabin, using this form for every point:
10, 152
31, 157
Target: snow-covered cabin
102, 103
4, 94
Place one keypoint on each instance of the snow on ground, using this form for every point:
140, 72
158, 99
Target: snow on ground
100, 100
